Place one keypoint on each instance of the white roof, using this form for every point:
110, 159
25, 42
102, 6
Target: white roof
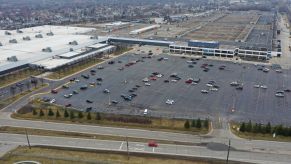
31, 51
51, 63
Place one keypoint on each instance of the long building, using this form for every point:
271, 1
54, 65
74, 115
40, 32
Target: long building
44, 43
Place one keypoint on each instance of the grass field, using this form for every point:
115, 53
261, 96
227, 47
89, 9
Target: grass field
176, 125
70, 156
17, 76
6, 102
69, 70
257, 136
41, 132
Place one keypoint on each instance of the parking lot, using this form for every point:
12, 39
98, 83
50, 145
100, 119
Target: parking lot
258, 104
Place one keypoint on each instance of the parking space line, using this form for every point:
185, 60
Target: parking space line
121, 145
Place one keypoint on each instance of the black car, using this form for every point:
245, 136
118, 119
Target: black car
111, 62
190, 66
88, 109
137, 86
114, 102
287, 90
92, 70
83, 87
85, 76
89, 101
99, 79
166, 81
239, 88
133, 95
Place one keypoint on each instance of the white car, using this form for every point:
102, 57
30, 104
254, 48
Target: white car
174, 80
209, 85
279, 94
204, 91
77, 80
159, 75
264, 86
170, 102
147, 84
266, 70
53, 101
166, 58
145, 80
213, 89
193, 83
278, 70
256, 86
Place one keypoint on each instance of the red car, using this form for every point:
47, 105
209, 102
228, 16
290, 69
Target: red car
153, 78
188, 81
68, 105
54, 91
152, 144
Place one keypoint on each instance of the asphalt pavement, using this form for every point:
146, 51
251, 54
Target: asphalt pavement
257, 104
177, 150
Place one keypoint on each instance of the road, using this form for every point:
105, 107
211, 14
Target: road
208, 151
214, 144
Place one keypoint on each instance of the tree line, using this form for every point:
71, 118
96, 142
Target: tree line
196, 123
265, 128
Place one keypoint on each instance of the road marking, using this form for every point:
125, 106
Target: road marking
153, 149
121, 145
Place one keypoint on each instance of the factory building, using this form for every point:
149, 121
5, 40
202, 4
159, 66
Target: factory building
109, 27
145, 29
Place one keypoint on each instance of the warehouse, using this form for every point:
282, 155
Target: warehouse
45, 42
145, 29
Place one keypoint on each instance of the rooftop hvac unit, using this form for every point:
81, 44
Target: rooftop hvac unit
1, 44
71, 49
12, 59
7, 33
48, 49
26, 38
73, 43
94, 37
50, 34
38, 36
19, 31
13, 41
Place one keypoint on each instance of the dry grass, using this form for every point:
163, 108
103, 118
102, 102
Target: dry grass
66, 156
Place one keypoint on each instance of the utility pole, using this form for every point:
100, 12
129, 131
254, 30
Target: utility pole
27, 139
228, 151
127, 148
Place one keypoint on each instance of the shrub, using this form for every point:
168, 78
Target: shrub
187, 125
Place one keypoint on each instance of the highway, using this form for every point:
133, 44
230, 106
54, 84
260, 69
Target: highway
193, 151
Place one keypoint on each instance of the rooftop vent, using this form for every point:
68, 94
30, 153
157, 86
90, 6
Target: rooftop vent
13, 41
73, 43
38, 36
48, 49
19, 31
50, 34
94, 37
12, 59
1, 44
26, 38
71, 49
7, 33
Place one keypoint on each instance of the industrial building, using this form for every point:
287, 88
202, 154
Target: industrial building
58, 45
109, 27
145, 29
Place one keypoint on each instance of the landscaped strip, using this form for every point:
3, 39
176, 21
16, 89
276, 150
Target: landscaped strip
38, 110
